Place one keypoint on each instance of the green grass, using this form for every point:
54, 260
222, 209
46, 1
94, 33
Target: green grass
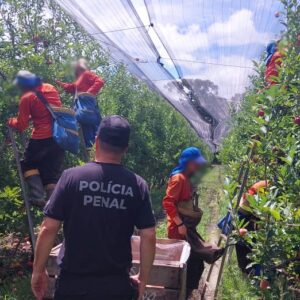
235, 285
16, 289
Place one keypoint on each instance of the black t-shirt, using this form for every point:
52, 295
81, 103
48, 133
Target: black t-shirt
99, 205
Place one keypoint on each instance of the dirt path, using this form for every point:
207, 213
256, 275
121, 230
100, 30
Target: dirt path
210, 195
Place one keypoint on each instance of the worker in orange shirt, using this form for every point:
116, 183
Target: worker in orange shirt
180, 190
85, 90
43, 158
273, 63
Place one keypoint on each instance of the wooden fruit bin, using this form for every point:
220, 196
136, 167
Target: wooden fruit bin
168, 274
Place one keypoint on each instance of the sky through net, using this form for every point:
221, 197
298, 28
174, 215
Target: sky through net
197, 54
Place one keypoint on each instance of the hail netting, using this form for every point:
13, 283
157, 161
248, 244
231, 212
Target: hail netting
194, 54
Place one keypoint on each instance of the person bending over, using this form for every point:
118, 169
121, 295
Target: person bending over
43, 158
99, 205
183, 214
85, 90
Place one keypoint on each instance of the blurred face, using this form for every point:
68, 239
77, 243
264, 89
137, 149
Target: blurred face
192, 167
78, 71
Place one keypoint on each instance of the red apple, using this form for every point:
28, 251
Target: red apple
260, 113
264, 284
297, 120
243, 231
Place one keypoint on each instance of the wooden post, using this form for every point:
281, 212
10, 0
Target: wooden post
23, 186
242, 179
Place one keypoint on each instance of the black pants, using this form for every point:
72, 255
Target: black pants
87, 287
46, 156
195, 268
242, 247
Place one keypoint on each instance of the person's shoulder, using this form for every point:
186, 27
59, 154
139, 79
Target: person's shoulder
28, 96
139, 179
179, 177
91, 74
47, 87
88, 167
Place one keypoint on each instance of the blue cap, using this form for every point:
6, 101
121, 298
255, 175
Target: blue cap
192, 154
187, 155
26, 79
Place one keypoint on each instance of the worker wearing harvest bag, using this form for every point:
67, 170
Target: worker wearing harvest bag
85, 90
43, 158
99, 205
181, 205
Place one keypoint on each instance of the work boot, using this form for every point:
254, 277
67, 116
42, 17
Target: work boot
36, 191
49, 188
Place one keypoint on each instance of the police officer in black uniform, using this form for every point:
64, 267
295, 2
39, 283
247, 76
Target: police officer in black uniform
99, 205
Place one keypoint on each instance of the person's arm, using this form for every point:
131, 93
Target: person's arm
170, 201
145, 222
55, 213
45, 242
97, 83
147, 253
68, 87
21, 122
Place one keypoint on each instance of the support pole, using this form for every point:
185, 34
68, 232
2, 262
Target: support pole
23, 186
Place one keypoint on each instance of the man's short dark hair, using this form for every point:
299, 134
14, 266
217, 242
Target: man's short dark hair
113, 149
114, 133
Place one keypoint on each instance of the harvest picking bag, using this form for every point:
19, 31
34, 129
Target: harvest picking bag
86, 109
191, 215
64, 128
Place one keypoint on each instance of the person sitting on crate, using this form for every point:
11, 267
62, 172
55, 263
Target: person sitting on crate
245, 214
43, 158
99, 205
85, 89
183, 214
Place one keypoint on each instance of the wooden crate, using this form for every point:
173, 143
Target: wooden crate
168, 275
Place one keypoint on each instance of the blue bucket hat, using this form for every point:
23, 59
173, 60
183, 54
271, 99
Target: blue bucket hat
187, 155
26, 79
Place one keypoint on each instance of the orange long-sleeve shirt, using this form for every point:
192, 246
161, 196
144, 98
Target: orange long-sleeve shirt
88, 82
272, 68
179, 189
31, 108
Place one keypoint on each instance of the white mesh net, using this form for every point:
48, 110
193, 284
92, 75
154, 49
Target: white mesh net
211, 44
